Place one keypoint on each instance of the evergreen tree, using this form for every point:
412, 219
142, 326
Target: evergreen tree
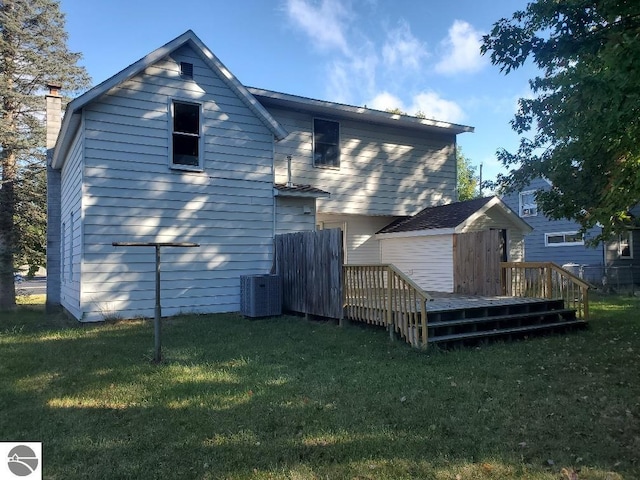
33, 53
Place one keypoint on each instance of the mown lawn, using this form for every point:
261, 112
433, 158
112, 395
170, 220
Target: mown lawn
288, 398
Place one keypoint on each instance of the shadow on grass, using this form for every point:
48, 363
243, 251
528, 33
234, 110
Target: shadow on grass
288, 398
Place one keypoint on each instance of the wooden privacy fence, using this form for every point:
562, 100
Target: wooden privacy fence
546, 280
310, 264
383, 295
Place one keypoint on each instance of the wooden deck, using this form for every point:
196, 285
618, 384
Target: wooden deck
453, 301
540, 298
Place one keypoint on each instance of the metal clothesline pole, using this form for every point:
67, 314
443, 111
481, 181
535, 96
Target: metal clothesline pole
157, 355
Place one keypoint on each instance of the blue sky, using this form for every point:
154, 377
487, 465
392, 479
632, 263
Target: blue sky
417, 55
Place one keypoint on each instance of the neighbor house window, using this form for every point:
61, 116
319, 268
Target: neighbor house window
563, 239
625, 245
528, 206
185, 134
326, 143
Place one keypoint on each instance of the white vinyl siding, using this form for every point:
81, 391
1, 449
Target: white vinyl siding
295, 215
131, 194
71, 240
362, 248
427, 260
383, 171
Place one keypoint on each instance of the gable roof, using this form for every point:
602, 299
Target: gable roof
362, 114
71, 119
452, 218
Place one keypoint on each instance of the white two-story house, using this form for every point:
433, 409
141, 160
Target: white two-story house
175, 149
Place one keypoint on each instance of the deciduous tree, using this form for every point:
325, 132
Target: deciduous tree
467, 182
581, 129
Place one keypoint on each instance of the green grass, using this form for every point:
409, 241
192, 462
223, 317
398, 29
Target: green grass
288, 398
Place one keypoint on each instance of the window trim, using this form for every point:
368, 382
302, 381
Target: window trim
564, 243
629, 234
177, 166
521, 204
313, 145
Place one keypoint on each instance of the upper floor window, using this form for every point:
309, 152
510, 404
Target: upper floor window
563, 239
185, 134
528, 206
326, 143
625, 245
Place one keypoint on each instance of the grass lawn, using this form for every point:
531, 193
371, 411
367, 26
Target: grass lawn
287, 398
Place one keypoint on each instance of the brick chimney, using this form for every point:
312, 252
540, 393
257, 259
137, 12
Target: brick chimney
54, 117
54, 200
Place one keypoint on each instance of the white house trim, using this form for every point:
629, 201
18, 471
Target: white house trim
495, 201
417, 233
362, 114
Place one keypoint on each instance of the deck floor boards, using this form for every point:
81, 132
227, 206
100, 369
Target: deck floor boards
443, 302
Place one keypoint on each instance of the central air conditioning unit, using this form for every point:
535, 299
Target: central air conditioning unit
260, 295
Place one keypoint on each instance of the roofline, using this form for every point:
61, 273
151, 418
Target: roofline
362, 113
511, 215
71, 121
493, 202
425, 232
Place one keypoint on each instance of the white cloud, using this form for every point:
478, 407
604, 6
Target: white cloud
324, 23
429, 103
435, 107
461, 50
402, 49
386, 101
352, 76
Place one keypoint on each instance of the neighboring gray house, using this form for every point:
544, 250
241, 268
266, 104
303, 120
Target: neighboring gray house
175, 149
559, 241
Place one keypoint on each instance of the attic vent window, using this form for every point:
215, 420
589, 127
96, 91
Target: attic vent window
186, 70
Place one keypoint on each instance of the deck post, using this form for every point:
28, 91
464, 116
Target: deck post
549, 282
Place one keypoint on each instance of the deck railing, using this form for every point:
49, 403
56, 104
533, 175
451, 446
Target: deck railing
545, 280
383, 295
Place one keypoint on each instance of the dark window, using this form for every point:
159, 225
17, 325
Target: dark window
326, 143
186, 69
186, 134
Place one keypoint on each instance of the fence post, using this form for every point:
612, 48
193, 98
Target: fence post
549, 281
389, 299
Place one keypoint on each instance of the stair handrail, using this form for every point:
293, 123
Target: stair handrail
397, 303
568, 286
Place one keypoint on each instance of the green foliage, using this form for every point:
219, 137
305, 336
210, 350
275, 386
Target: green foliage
467, 181
33, 53
286, 398
31, 217
583, 119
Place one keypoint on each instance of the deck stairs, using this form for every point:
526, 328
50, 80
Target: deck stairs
506, 320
